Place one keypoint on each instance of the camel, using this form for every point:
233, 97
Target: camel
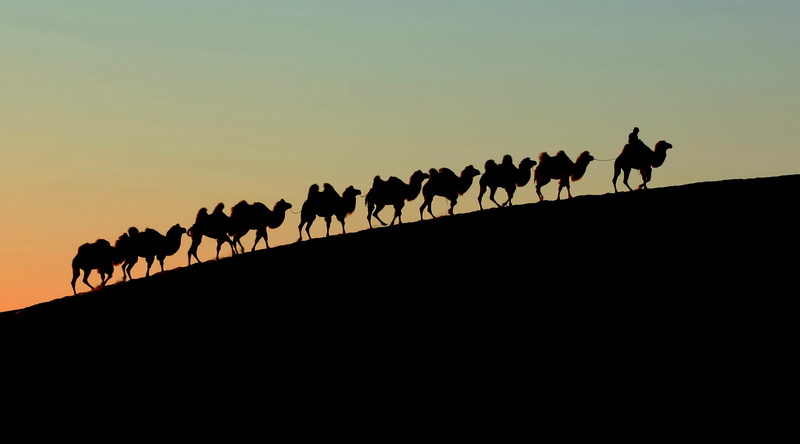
214, 225
562, 168
640, 157
100, 256
505, 176
256, 216
151, 245
326, 203
445, 183
392, 191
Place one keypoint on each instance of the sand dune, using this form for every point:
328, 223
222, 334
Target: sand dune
645, 257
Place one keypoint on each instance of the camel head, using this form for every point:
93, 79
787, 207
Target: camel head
419, 176
176, 230
351, 192
584, 158
281, 205
469, 172
527, 163
662, 145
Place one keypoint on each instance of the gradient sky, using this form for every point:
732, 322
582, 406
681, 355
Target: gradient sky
138, 113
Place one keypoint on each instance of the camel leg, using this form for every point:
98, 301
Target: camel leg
510, 192
237, 240
149, 264
645, 173
161, 263
427, 203
327, 226
127, 267
398, 210
219, 246
75, 275
480, 196
625, 174
492, 192
378, 209
617, 170
261, 234
539, 184
341, 220
453, 203
86, 273
193, 249
563, 183
105, 277
307, 223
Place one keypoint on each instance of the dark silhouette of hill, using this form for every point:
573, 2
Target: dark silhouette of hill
659, 305
663, 260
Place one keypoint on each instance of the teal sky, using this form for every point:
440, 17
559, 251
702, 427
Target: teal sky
120, 113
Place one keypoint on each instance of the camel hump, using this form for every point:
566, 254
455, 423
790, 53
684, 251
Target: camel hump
447, 172
219, 208
328, 190
240, 208
561, 155
544, 157
377, 180
394, 181
151, 232
490, 165
507, 160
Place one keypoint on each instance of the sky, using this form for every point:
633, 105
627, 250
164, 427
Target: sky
139, 113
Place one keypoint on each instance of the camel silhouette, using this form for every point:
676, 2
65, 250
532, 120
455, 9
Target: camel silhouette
98, 255
214, 225
150, 245
562, 168
445, 183
637, 155
256, 216
326, 203
505, 176
392, 191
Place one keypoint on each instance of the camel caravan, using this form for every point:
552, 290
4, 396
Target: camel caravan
327, 203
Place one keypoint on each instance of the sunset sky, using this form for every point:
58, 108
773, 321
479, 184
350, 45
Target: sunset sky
138, 113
